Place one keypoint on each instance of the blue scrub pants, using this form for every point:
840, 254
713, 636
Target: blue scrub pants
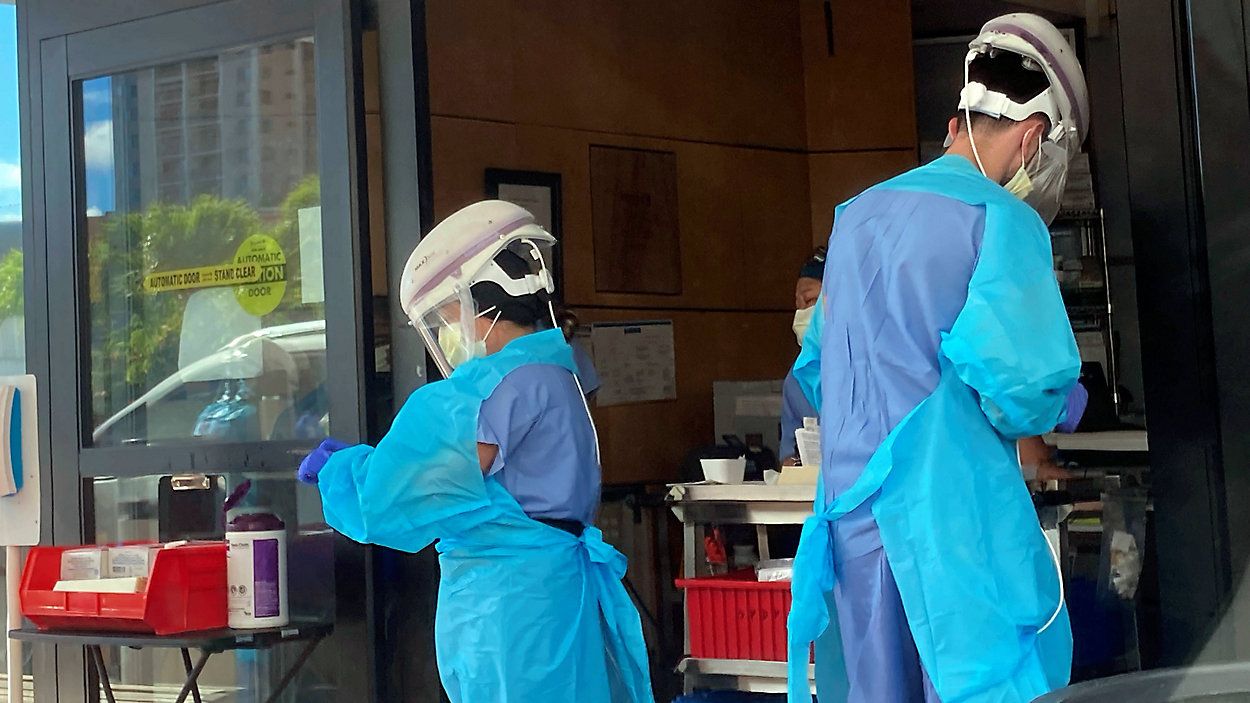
882, 665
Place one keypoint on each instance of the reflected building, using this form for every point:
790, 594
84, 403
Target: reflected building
241, 125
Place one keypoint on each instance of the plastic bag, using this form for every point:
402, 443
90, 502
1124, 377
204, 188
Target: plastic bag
1123, 542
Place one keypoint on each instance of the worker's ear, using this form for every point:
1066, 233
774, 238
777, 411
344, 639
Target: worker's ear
1034, 133
952, 129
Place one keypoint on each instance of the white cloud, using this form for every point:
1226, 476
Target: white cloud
94, 212
98, 144
95, 96
10, 192
10, 175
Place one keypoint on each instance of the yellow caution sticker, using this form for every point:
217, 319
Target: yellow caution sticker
201, 277
261, 296
258, 274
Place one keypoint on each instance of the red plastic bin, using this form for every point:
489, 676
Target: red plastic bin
186, 593
736, 617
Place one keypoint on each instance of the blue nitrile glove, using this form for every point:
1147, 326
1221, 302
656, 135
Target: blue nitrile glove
315, 462
1076, 402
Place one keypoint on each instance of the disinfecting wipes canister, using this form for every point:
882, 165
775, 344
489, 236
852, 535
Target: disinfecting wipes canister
256, 571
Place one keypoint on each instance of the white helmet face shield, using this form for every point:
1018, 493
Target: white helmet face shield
450, 327
435, 288
1065, 102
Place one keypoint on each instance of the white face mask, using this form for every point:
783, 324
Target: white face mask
802, 320
454, 347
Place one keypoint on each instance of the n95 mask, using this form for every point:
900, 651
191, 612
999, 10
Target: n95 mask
802, 320
456, 350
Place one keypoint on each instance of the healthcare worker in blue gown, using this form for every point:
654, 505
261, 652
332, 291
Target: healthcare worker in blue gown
943, 339
795, 405
499, 464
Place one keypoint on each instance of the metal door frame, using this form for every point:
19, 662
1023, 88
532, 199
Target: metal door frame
1186, 93
64, 41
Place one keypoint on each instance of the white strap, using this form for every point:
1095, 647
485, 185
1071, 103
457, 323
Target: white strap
551, 308
1063, 598
977, 98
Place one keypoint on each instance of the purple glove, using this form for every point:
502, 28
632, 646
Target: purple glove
315, 462
1075, 404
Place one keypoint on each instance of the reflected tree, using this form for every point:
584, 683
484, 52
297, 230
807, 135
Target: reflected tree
11, 295
136, 332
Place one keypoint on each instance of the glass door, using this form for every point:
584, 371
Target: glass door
12, 299
206, 329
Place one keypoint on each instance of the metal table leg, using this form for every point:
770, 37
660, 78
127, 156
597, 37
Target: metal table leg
290, 674
689, 568
195, 684
97, 663
193, 678
761, 539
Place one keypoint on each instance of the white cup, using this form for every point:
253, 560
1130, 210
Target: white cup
724, 470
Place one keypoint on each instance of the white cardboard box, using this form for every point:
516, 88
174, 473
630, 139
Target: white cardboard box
132, 562
84, 564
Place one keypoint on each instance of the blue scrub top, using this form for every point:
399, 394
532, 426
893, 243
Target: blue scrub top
586, 372
546, 443
794, 407
895, 279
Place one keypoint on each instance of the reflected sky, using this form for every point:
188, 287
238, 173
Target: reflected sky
97, 112
10, 143
97, 118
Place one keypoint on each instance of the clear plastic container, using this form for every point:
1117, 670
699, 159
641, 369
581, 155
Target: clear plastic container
808, 440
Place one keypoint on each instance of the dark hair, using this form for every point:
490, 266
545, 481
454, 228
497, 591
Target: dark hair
526, 310
567, 320
815, 266
1004, 72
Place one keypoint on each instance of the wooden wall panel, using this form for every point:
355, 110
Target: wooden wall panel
741, 93
463, 150
647, 441
835, 178
744, 214
702, 70
633, 204
373, 164
377, 204
372, 76
470, 45
863, 96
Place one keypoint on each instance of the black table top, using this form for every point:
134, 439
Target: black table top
208, 640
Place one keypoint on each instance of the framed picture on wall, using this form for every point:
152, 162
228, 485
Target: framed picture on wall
539, 193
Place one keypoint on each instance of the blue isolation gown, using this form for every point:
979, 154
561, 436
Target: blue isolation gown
587, 374
944, 340
526, 612
794, 408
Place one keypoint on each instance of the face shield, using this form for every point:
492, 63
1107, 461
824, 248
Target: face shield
1049, 179
436, 290
450, 328
450, 333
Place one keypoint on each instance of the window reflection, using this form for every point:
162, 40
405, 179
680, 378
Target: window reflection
152, 509
12, 300
204, 249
